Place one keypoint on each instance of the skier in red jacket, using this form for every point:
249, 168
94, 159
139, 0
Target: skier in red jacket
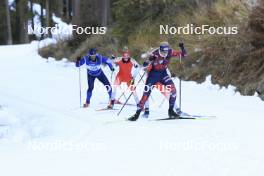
128, 70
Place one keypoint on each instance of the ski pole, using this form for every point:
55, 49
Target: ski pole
180, 85
131, 94
123, 94
80, 87
112, 77
162, 102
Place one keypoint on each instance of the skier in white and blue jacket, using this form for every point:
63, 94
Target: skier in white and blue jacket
93, 61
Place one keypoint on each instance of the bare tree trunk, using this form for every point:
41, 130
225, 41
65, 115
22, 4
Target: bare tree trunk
48, 16
70, 10
108, 7
22, 21
104, 13
67, 7
67, 10
8, 22
76, 12
32, 36
32, 18
47, 13
17, 24
60, 8
42, 17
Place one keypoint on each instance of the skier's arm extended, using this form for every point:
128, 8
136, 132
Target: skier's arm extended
116, 60
108, 62
80, 61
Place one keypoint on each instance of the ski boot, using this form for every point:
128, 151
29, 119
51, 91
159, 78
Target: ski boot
135, 116
118, 102
146, 113
173, 114
179, 112
111, 104
86, 105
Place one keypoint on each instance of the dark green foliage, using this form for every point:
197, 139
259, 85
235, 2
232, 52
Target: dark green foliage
129, 15
2, 23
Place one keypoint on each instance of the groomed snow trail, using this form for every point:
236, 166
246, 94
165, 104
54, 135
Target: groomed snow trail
44, 132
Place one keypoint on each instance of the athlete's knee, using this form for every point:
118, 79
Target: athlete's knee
167, 79
108, 87
173, 91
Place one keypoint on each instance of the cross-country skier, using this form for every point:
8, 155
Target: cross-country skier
93, 61
158, 63
127, 66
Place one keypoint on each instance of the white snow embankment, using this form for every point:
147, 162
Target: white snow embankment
56, 137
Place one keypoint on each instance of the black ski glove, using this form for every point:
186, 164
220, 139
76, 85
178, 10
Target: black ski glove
78, 59
181, 45
113, 57
132, 82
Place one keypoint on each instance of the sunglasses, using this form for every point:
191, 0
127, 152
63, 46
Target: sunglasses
93, 57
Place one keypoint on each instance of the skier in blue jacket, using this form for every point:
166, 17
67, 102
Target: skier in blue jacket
93, 61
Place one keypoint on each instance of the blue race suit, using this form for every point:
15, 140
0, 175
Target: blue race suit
94, 71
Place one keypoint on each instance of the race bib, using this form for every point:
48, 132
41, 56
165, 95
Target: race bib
93, 67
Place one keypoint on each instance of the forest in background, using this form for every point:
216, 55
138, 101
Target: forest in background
236, 60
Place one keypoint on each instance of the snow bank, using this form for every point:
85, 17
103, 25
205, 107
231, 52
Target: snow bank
53, 136
61, 31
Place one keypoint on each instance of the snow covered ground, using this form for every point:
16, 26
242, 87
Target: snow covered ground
44, 132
